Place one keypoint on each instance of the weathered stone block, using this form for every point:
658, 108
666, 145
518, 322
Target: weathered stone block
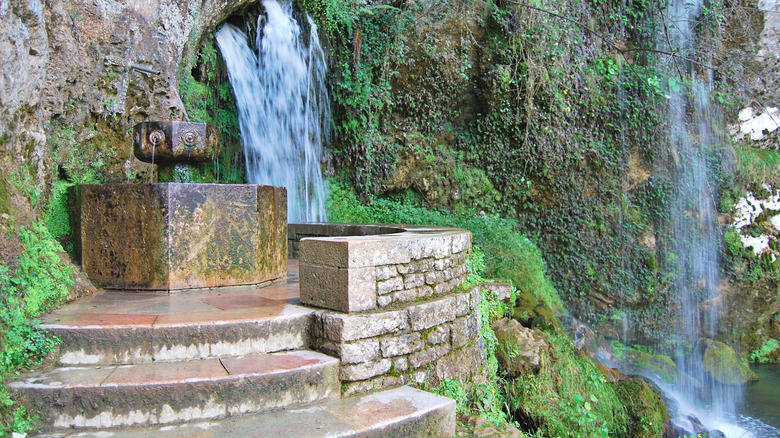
391, 285
364, 371
465, 330
466, 361
433, 278
475, 297
386, 272
427, 315
360, 351
502, 290
405, 296
430, 354
401, 364
462, 304
345, 290
400, 345
438, 335
441, 265
341, 327
413, 280
442, 289
179, 236
461, 243
416, 267
332, 252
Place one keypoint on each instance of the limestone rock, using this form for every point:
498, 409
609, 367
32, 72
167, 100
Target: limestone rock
723, 364
519, 349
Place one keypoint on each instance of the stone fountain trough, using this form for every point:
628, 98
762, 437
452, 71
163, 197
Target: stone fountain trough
172, 236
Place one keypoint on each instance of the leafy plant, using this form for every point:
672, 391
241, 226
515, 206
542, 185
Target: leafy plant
765, 352
39, 283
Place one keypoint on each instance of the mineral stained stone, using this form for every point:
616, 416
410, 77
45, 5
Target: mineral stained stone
171, 236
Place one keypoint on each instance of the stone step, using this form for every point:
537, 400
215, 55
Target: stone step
401, 412
162, 393
144, 327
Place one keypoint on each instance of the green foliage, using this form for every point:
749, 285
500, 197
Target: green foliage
39, 283
81, 163
58, 214
568, 397
757, 166
508, 254
733, 242
455, 390
765, 353
14, 419
23, 182
335, 17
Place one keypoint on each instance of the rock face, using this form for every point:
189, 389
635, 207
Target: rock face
520, 349
68, 78
70, 93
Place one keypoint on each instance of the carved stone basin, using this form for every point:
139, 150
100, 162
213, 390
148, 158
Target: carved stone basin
169, 236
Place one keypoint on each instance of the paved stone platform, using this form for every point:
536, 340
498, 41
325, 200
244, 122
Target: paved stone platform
136, 327
400, 412
218, 362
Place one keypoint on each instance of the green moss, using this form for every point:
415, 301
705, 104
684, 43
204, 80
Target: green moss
5, 202
568, 397
58, 214
645, 408
639, 360
531, 312
757, 166
725, 365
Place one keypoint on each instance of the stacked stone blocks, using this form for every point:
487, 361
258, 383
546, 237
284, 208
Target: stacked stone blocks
396, 314
359, 273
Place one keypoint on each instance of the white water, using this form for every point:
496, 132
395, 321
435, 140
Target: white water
284, 112
695, 227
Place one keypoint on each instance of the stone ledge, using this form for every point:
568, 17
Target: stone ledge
366, 272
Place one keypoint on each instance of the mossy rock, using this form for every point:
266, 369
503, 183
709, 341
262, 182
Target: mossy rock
724, 365
531, 312
643, 362
647, 413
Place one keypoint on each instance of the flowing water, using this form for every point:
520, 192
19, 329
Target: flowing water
284, 112
696, 233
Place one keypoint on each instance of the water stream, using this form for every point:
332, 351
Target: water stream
695, 229
284, 111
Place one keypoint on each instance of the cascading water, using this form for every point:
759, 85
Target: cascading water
283, 106
695, 227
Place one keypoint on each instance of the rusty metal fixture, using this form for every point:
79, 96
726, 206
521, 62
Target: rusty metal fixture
172, 141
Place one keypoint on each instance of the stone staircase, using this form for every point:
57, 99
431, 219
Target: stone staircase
219, 362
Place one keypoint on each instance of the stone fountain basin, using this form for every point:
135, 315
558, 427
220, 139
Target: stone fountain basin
171, 236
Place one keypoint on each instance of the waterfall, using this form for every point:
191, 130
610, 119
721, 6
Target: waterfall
283, 107
694, 224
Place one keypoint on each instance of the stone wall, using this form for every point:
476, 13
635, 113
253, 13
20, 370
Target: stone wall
358, 273
424, 342
396, 312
